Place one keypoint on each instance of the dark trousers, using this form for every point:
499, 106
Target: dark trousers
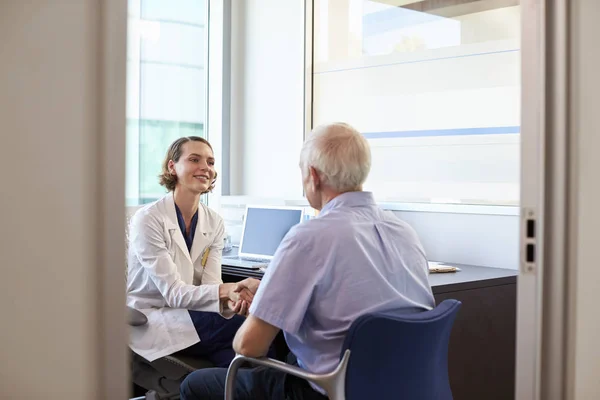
251, 384
216, 336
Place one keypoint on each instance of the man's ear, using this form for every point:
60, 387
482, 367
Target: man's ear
315, 177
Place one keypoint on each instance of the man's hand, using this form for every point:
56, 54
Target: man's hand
242, 296
231, 291
250, 284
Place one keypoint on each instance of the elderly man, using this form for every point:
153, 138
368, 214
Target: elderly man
353, 259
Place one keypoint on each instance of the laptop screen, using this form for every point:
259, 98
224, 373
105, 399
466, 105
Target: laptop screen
264, 229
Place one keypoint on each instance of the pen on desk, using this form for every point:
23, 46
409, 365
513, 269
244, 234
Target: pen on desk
205, 257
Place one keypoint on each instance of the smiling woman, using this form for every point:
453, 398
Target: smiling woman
174, 264
189, 155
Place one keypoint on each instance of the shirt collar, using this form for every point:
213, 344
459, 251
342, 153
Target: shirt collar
349, 199
189, 238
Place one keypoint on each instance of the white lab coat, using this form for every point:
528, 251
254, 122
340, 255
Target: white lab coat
164, 281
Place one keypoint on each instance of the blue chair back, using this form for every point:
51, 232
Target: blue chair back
400, 356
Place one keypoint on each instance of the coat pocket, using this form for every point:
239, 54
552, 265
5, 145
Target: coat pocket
170, 244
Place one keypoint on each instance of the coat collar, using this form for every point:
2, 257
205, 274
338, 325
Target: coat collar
173, 225
200, 235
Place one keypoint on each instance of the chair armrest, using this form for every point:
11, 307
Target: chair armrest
136, 317
333, 383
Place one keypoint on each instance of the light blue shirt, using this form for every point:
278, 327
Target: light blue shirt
353, 259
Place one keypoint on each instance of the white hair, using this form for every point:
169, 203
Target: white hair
340, 154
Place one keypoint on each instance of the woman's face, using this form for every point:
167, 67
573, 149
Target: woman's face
195, 169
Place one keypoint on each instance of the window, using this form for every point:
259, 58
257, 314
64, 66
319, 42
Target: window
166, 86
434, 86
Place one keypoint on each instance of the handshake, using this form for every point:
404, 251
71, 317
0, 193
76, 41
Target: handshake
239, 295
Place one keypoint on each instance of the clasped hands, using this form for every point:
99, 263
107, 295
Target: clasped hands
241, 294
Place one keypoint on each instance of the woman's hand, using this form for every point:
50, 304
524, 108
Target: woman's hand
244, 290
228, 291
236, 298
241, 307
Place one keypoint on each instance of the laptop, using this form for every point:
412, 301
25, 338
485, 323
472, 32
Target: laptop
264, 229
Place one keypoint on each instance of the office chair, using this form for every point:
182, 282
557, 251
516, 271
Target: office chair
384, 356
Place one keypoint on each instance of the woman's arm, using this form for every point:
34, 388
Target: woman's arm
212, 275
148, 244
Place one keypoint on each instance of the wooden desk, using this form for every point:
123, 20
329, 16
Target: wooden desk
481, 355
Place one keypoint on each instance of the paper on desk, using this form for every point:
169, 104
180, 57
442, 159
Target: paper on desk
435, 266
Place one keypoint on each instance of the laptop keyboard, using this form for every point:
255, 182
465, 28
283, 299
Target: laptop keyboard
244, 262
250, 259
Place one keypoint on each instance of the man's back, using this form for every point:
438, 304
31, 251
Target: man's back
353, 259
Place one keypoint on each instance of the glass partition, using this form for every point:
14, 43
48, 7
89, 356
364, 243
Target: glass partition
434, 86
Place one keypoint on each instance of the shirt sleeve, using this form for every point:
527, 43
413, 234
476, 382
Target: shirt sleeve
286, 290
148, 244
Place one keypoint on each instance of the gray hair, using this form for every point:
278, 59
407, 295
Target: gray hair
340, 154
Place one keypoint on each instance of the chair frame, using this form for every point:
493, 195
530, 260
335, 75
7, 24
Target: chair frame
334, 383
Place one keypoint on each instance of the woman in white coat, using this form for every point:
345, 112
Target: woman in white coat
174, 264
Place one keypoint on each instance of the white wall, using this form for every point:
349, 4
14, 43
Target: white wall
584, 352
62, 77
471, 239
267, 97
